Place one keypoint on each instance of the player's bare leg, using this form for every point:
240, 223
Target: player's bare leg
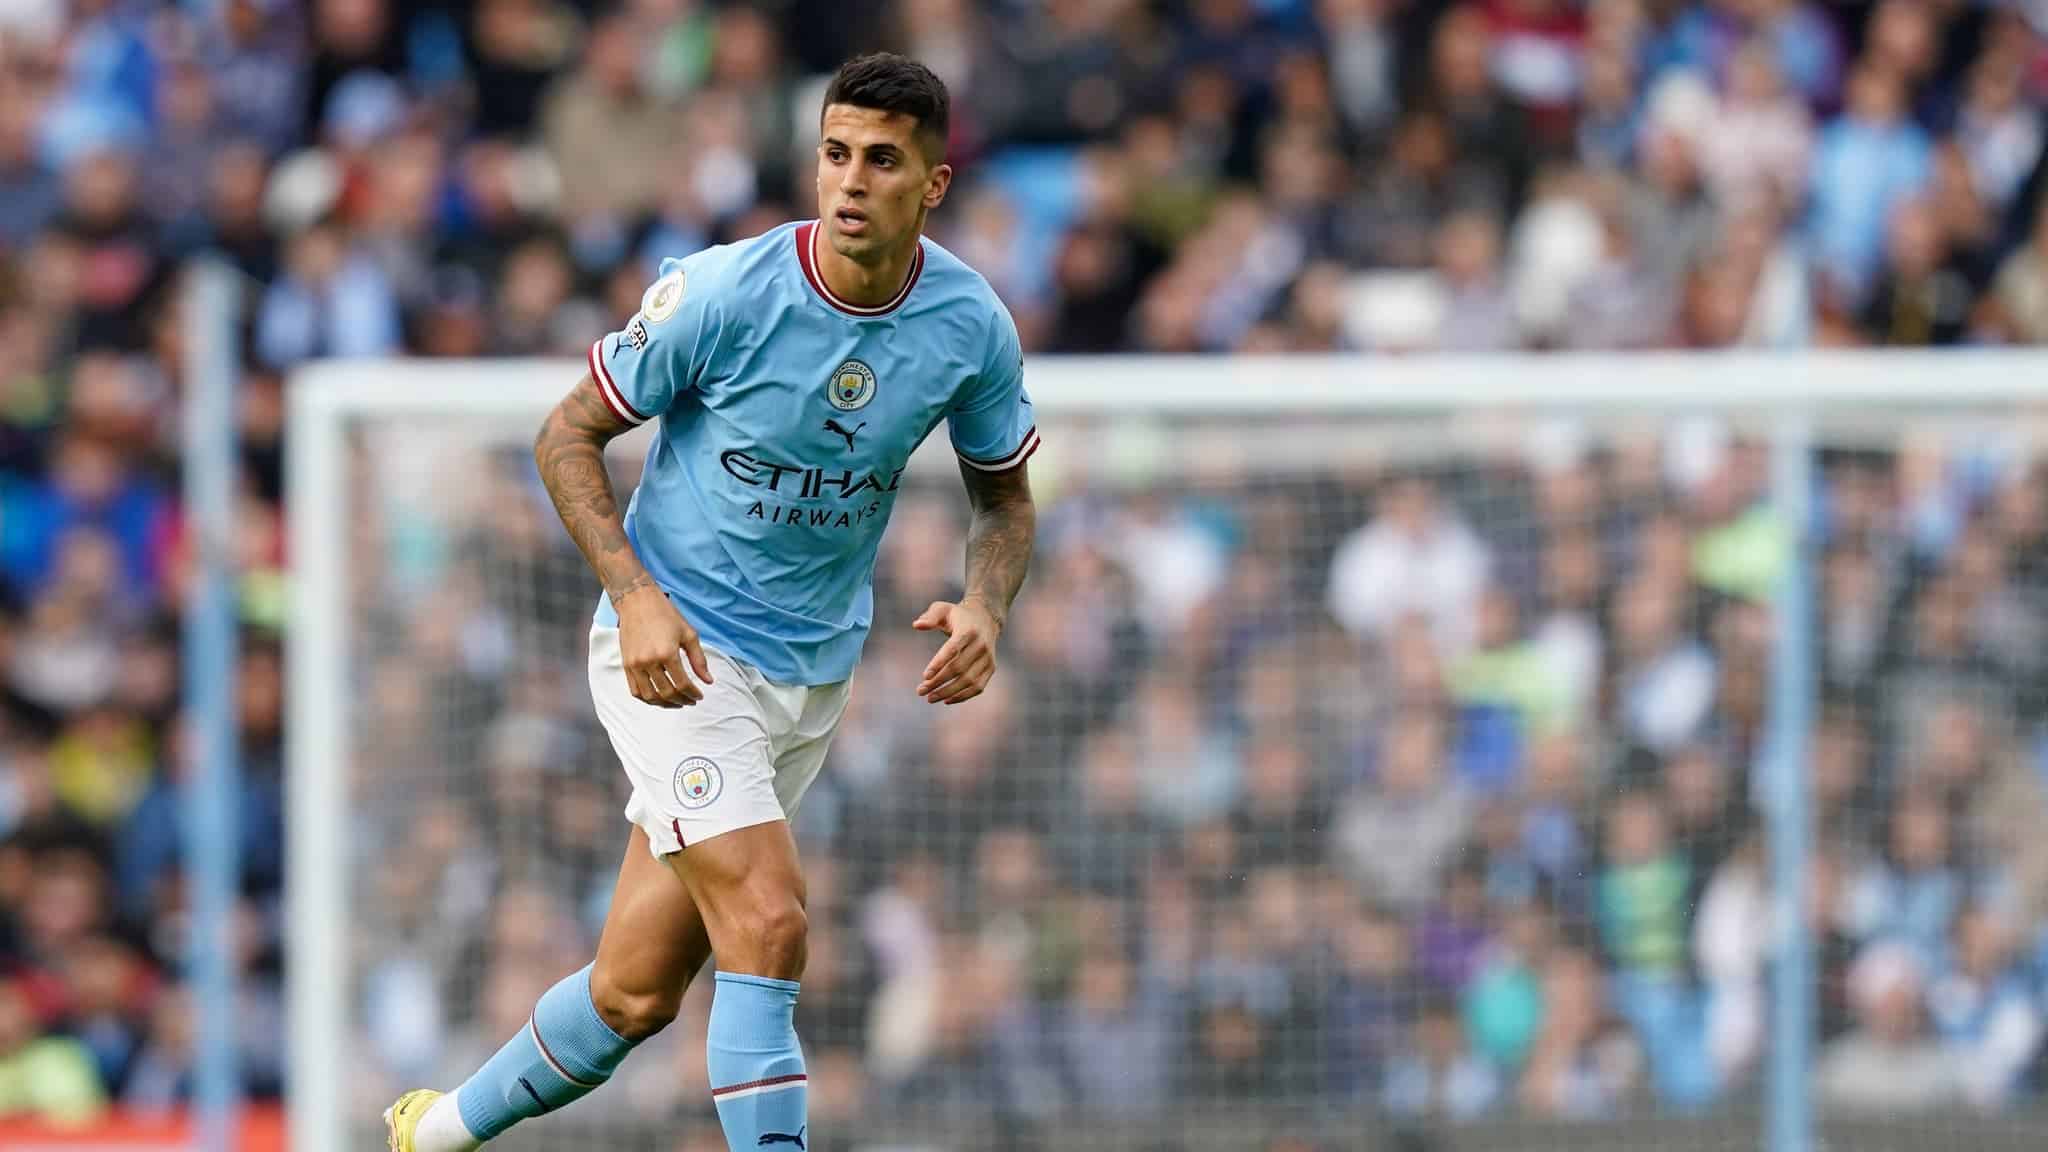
653, 943
750, 890
652, 946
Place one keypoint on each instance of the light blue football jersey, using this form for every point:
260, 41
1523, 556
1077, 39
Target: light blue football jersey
786, 419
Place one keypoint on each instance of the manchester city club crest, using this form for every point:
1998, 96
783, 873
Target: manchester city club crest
851, 387
698, 782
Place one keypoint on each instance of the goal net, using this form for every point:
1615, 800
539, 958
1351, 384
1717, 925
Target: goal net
1383, 755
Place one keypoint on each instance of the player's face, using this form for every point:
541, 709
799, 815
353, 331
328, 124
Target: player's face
875, 182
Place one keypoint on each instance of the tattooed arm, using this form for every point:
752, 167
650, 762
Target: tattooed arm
999, 546
652, 635
570, 454
1000, 538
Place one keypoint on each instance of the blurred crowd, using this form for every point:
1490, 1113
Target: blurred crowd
1434, 792
464, 177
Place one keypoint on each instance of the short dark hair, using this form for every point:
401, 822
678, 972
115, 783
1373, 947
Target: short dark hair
888, 82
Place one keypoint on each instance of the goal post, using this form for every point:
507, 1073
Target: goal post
367, 437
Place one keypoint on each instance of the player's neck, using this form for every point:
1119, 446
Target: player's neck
864, 285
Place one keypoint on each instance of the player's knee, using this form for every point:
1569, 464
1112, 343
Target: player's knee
633, 1014
775, 928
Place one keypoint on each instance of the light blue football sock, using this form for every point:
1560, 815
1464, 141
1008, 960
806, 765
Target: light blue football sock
756, 1064
564, 1052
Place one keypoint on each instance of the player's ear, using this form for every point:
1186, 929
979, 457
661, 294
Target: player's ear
936, 185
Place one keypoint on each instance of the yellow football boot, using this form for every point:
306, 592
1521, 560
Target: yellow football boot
403, 1118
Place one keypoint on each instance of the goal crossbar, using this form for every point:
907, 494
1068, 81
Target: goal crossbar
328, 399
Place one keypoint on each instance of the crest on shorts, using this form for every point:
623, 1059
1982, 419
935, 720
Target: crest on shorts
698, 782
851, 387
663, 297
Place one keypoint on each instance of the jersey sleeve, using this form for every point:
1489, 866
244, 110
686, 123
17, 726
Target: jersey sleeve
991, 422
641, 368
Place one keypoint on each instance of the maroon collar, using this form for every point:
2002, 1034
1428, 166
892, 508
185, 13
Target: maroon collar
807, 258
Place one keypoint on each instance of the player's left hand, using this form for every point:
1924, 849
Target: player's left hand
964, 663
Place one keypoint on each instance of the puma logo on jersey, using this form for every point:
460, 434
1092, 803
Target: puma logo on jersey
768, 1138
832, 425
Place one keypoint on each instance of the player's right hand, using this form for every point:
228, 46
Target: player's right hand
653, 639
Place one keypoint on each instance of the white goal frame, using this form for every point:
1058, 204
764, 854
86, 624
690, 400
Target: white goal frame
1789, 390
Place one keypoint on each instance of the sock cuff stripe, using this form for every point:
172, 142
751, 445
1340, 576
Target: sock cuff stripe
758, 981
752, 1087
533, 1025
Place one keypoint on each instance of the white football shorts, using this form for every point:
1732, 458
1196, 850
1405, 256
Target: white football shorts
743, 755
